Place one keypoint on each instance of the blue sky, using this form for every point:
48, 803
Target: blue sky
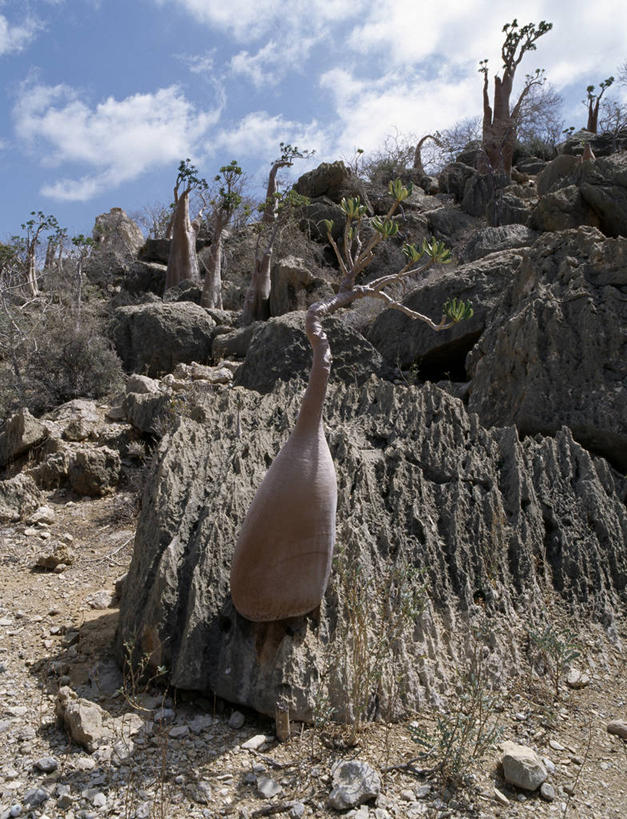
102, 98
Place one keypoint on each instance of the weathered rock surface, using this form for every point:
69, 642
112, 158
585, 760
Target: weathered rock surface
82, 718
555, 352
563, 209
422, 488
279, 350
117, 232
19, 496
522, 766
145, 277
496, 240
154, 338
20, 433
603, 187
403, 341
354, 782
94, 471
331, 179
556, 172
294, 287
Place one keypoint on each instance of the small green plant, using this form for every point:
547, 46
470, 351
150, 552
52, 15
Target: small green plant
558, 648
470, 729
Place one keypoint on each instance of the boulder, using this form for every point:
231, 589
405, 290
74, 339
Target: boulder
531, 165
145, 277
497, 239
477, 195
332, 180
603, 186
154, 338
450, 225
555, 351
233, 344
19, 496
94, 471
403, 341
354, 783
279, 351
118, 233
432, 508
186, 290
563, 167
511, 206
453, 179
21, 432
522, 766
294, 287
149, 413
82, 719
562, 209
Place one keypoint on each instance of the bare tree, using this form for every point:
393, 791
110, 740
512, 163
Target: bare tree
499, 120
182, 231
257, 299
437, 138
593, 101
224, 204
282, 558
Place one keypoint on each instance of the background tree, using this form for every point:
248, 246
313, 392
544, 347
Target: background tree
257, 299
282, 558
224, 205
83, 246
593, 101
182, 232
499, 121
34, 227
436, 138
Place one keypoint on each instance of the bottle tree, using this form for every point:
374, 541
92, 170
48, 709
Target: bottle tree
282, 558
500, 120
275, 209
593, 101
224, 203
182, 231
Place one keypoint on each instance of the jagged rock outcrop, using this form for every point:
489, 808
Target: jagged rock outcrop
153, 338
461, 522
117, 233
20, 433
294, 286
279, 349
333, 180
403, 342
19, 496
497, 239
555, 352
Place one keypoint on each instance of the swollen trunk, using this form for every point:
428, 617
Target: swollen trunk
282, 558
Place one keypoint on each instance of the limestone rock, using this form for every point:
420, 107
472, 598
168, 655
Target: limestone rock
234, 343
403, 341
94, 471
279, 350
555, 351
618, 727
424, 493
450, 224
294, 287
21, 432
61, 555
19, 497
453, 178
556, 172
603, 186
115, 231
522, 766
154, 338
313, 215
354, 782
145, 276
81, 718
331, 179
496, 240
563, 209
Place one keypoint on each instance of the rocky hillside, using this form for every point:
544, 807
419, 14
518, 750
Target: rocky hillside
481, 524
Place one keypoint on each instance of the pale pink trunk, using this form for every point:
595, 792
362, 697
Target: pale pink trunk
282, 558
182, 259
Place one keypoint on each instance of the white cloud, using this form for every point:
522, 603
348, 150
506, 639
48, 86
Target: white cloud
273, 61
247, 20
368, 111
15, 37
116, 141
258, 134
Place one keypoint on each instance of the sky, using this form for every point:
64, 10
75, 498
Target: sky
101, 99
